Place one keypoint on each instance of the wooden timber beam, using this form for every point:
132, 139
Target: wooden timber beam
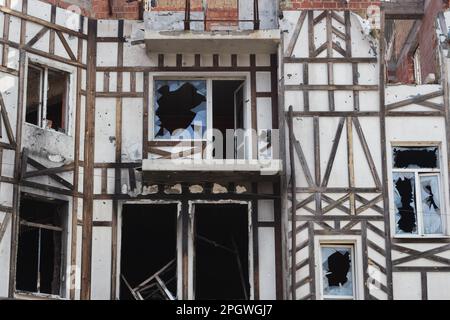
404, 9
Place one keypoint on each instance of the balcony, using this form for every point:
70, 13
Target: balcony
211, 27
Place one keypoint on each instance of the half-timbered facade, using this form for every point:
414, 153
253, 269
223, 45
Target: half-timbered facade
264, 155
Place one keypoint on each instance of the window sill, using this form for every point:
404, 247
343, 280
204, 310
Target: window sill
23, 295
424, 239
48, 130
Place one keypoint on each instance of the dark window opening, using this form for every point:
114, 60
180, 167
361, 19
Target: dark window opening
416, 157
40, 254
337, 272
34, 94
47, 94
149, 252
221, 252
180, 109
405, 202
228, 114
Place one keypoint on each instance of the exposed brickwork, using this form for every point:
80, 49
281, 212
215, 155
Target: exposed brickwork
359, 6
427, 41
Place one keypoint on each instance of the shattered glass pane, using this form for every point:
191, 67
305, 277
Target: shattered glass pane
432, 219
416, 157
337, 271
180, 109
405, 204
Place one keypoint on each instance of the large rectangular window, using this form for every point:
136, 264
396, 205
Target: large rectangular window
47, 97
40, 253
417, 191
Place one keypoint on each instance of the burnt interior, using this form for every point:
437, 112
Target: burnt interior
415, 157
221, 252
223, 110
40, 250
57, 86
148, 244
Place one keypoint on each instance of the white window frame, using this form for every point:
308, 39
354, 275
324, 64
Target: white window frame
357, 266
240, 76
46, 64
422, 172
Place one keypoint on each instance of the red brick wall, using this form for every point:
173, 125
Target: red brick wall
427, 41
359, 6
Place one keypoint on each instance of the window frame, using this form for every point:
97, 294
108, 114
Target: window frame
239, 76
64, 229
352, 266
44, 67
418, 173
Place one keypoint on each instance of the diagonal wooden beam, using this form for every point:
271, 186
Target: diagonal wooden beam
337, 139
4, 116
415, 255
320, 17
331, 201
295, 35
304, 164
37, 37
46, 172
369, 204
414, 100
367, 152
66, 45
55, 177
364, 201
4, 224
336, 203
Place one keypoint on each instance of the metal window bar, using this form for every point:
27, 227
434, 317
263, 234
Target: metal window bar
188, 20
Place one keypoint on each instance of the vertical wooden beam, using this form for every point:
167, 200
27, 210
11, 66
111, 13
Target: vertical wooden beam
365, 257
317, 166
387, 216
255, 237
146, 107
293, 204
15, 217
88, 173
278, 242
312, 263
52, 32
185, 220
118, 157
351, 164
76, 170
424, 284
6, 34
330, 68
254, 106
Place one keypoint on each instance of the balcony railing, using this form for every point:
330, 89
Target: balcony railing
188, 20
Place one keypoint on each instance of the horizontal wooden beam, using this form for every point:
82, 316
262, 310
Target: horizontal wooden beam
404, 9
331, 60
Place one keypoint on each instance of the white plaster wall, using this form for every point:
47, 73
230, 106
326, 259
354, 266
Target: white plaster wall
101, 264
407, 286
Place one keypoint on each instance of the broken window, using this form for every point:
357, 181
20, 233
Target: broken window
40, 252
47, 97
180, 109
417, 191
221, 252
337, 272
149, 252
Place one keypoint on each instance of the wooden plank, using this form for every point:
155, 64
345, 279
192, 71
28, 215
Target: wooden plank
37, 37
88, 184
50, 173
336, 141
414, 100
367, 153
66, 45
6, 122
296, 34
404, 10
293, 200
145, 111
